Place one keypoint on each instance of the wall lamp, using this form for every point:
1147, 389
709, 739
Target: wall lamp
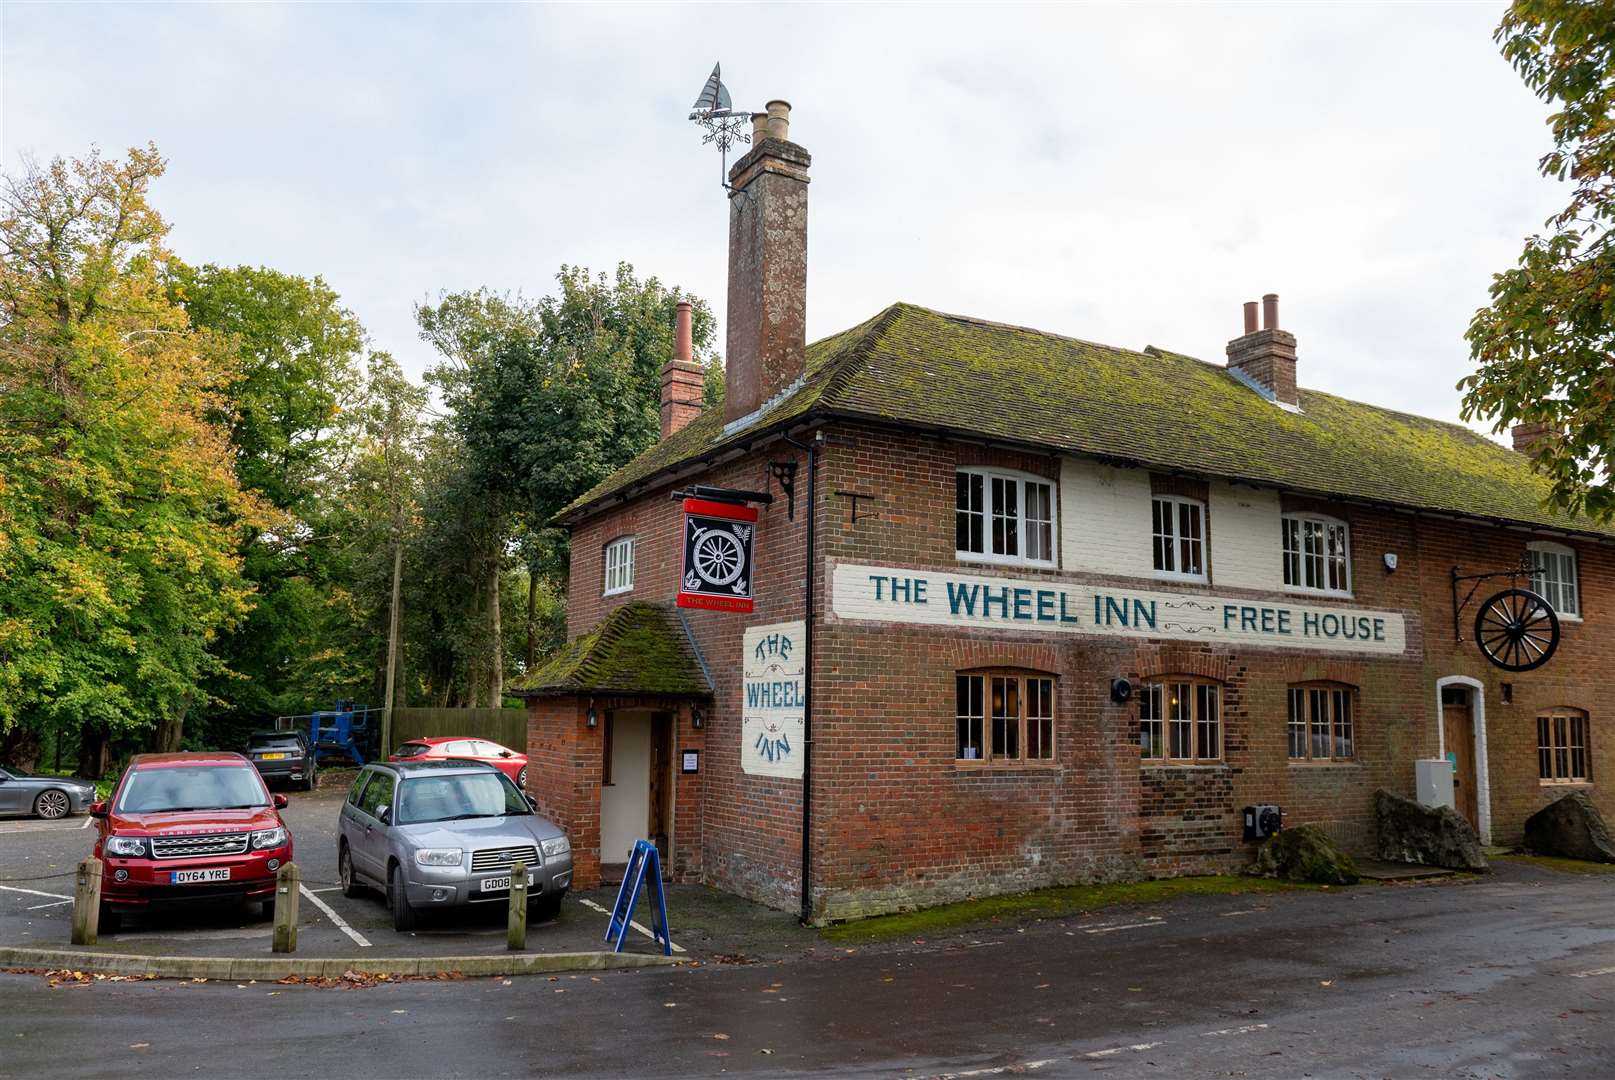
696, 719
589, 718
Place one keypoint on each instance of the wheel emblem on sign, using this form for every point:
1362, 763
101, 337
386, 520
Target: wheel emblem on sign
1517, 630
717, 556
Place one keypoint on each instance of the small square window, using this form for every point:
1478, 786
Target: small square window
620, 565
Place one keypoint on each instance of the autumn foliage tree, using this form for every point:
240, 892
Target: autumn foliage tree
1545, 347
120, 510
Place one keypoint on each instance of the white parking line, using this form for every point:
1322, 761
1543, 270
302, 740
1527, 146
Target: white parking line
1136, 1047
1593, 972
636, 926
334, 917
53, 903
35, 892
1246, 1030
1025, 1066
1125, 926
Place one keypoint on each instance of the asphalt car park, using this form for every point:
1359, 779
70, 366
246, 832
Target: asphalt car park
38, 860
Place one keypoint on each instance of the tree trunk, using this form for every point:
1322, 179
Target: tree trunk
496, 662
20, 748
532, 618
171, 729
92, 753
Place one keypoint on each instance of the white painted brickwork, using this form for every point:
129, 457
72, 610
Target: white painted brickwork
1105, 520
1246, 550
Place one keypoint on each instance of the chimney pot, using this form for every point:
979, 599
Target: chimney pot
1266, 356
759, 127
1250, 316
683, 350
779, 120
1270, 311
683, 380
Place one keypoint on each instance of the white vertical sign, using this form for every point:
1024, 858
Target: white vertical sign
771, 709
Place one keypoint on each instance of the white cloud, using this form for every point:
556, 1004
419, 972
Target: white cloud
1120, 174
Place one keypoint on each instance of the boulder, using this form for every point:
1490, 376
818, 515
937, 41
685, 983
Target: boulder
1410, 832
1305, 853
1572, 827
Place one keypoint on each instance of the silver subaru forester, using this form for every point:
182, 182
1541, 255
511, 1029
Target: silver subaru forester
435, 834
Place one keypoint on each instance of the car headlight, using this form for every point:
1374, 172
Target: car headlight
129, 846
556, 846
438, 857
268, 838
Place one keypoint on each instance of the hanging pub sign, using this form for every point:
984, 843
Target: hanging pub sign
717, 555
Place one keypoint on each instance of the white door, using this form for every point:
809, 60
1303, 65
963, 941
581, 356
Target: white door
625, 786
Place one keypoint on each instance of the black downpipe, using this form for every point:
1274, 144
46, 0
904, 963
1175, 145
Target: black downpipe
812, 449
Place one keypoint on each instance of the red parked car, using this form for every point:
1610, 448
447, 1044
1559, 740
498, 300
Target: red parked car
507, 761
189, 827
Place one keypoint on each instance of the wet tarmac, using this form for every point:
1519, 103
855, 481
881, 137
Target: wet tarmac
1511, 976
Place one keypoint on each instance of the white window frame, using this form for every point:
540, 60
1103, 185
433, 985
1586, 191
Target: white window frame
1284, 552
1020, 480
622, 551
1560, 553
1174, 518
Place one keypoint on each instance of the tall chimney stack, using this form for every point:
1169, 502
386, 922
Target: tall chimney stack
684, 382
1527, 435
767, 318
1266, 356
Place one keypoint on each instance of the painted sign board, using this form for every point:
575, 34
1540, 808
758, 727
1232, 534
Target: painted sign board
1047, 605
691, 761
771, 703
717, 567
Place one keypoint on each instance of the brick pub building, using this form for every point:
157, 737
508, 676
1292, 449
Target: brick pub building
976, 531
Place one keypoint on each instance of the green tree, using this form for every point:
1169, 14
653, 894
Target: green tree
120, 512
1546, 345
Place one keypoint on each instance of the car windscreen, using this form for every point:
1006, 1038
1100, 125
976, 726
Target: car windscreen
412, 749
191, 787
458, 795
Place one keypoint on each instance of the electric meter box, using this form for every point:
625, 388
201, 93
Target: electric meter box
1433, 781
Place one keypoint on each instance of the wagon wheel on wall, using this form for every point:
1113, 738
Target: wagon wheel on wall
1517, 630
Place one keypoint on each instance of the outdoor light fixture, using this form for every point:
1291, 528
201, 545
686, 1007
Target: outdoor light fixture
696, 719
589, 718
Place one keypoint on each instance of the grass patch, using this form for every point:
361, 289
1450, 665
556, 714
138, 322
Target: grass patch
1556, 862
1051, 904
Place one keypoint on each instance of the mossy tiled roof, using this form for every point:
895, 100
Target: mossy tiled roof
639, 648
1153, 408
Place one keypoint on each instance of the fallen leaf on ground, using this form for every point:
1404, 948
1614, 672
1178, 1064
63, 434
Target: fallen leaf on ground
719, 1035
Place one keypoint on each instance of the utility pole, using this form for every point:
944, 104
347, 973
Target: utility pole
392, 642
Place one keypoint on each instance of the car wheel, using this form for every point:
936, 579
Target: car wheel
521, 778
545, 907
52, 804
344, 873
398, 901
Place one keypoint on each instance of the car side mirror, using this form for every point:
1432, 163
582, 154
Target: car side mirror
98, 808
383, 813
281, 802
532, 803
506, 753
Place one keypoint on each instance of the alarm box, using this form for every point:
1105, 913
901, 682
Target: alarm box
1262, 821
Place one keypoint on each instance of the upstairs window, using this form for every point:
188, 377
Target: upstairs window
1317, 557
1321, 725
620, 565
1561, 738
1003, 517
1004, 717
1180, 530
1180, 721
1553, 577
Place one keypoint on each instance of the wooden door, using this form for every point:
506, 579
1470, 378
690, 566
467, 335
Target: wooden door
1459, 724
661, 765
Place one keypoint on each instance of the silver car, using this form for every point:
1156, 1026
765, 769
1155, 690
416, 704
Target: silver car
48, 797
436, 834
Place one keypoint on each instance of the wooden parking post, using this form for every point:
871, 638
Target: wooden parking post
287, 883
516, 937
87, 902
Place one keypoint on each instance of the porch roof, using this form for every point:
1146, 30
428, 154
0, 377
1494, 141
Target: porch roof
639, 649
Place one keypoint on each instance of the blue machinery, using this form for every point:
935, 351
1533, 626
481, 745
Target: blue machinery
346, 731
643, 862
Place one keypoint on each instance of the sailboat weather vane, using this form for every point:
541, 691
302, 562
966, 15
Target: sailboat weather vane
725, 125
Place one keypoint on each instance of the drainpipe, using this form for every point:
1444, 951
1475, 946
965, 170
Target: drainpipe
812, 450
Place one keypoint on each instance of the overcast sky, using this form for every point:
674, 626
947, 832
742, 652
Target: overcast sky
1126, 175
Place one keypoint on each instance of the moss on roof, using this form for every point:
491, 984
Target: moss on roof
1153, 408
637, 649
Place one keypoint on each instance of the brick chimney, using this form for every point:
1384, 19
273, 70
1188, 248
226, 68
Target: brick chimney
1526, 436
767, 317
1266, 356
684, 382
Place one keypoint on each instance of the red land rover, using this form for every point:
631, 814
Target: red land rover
189, 827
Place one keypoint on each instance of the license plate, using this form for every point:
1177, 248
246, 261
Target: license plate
186, 877
500, 884
274, 757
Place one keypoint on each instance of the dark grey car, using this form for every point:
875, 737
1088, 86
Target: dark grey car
48, 797
439, 834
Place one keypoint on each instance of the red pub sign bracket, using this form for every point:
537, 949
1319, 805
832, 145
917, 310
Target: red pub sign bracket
717, 568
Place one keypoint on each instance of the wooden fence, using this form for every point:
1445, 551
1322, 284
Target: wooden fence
507, 727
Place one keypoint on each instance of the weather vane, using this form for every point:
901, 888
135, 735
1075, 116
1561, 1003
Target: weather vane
724, 124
